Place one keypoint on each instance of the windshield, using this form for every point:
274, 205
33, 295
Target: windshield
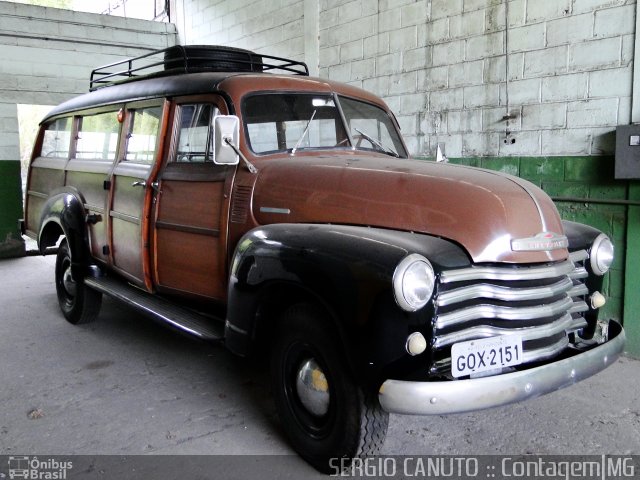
371, 127
278, 122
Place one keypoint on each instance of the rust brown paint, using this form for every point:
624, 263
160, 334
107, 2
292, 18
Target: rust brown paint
476, 208
481, 210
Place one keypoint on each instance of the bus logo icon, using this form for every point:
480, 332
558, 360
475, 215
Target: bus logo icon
18, 467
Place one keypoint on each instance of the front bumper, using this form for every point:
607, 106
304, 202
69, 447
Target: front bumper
457, 396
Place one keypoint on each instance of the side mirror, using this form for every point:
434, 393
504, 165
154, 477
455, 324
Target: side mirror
226, 129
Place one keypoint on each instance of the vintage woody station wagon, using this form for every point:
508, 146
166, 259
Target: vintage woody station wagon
235, 198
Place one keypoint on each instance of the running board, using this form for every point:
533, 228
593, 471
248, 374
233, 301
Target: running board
184, 320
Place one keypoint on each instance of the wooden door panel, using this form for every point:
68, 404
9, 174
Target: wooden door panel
126, 222
189, 262
196, 204
187, 237
127, 251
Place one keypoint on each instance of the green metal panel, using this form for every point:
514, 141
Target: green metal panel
11, 243
632, 275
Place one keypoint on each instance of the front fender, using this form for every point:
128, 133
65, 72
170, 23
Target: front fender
349, 271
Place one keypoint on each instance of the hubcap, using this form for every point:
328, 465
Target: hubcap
68, 282
312, 388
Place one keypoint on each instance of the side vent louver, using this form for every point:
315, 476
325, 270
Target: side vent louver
241, 203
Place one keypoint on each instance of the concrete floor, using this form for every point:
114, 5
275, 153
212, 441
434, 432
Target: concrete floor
124, 385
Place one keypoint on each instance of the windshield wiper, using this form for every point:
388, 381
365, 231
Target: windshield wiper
376, 143
304, 134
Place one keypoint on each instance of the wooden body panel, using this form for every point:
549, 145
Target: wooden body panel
125, 217
89, 178
188, 242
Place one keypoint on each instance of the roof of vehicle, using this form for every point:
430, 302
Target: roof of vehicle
176, 70
235, 83
164, 86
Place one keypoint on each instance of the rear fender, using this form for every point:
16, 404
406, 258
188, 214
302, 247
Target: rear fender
64, 214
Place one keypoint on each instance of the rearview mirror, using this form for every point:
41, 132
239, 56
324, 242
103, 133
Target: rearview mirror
226, 129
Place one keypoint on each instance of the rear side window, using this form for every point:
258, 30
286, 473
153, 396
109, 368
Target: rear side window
142, 140
98, 136
195, 136
57, 137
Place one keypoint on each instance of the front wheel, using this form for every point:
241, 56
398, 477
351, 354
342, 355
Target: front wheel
78, 303
324, 412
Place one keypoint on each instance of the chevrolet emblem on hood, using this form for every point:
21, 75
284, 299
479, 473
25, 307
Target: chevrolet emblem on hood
541, 241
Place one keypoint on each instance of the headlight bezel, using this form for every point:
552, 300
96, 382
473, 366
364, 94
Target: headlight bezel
407, 265
600, 265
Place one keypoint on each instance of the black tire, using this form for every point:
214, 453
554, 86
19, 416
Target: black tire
354, 424
78, 303
214, 58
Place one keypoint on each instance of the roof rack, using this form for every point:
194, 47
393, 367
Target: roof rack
188, 59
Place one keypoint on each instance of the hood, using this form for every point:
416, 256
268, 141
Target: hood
481, 210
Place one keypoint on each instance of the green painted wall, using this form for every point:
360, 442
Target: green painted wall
632, 275
591, 178
11, 243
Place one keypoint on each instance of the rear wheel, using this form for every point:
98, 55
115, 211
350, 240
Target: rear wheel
324, 412
78, 303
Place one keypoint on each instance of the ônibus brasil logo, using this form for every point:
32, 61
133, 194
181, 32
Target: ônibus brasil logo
32, 468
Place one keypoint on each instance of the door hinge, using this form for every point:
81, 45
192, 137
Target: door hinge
106, 185
105, 250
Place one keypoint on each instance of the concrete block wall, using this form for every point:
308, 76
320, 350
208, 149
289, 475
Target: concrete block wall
273, 27
47, 57
442, 67
48, 53
10, 191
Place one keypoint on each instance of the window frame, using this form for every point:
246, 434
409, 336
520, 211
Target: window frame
77, 124
390, 115
125, 132
245, 123
71, 141
174, 133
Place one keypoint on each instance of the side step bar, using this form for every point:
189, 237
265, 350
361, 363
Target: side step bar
184, 320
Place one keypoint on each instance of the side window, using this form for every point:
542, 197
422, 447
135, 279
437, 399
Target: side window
194, 134
143, 134
56, 138
98, 136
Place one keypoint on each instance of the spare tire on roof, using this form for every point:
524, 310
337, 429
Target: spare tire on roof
212, 58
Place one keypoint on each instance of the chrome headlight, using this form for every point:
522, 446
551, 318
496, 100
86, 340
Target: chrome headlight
601, 254
413, 282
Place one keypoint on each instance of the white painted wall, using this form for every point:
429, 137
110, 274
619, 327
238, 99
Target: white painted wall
273, 27
441, 64
47, 54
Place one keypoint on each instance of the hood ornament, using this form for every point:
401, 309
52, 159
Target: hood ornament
539, 242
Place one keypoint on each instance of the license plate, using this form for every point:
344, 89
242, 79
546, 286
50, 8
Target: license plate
485, 354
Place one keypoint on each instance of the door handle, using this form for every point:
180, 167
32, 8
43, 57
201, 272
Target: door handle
143, 183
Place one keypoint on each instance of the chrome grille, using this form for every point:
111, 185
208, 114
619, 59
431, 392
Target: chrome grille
542, 304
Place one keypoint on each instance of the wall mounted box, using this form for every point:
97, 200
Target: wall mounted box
627, 162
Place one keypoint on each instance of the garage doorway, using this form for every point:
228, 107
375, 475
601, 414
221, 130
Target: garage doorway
29, 117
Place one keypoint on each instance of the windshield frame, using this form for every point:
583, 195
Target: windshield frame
392, 120
349, 143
